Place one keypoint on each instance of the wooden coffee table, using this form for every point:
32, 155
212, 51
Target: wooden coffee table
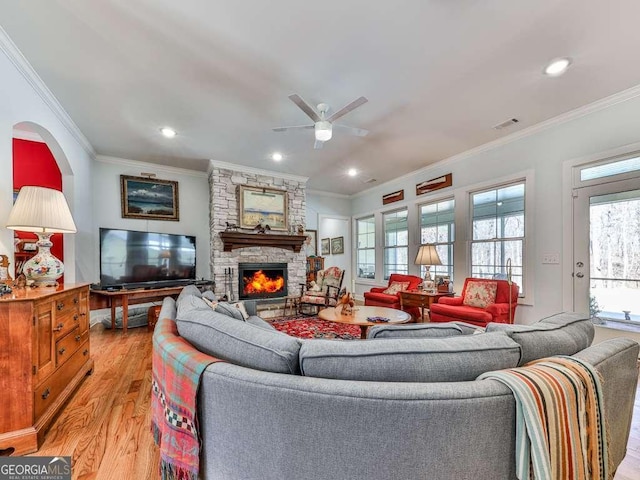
360, 315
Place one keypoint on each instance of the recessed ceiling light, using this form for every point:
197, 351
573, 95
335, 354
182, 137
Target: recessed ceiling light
276, 156
557, 67
168, 132
352, 172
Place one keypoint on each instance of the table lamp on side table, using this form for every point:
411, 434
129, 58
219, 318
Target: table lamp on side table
427, 256
43, 211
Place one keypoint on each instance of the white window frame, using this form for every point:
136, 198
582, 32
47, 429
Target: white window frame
385, 247
358, 249
526, 260
439, 245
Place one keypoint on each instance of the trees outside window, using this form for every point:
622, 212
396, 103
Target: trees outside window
366, 247
396, 243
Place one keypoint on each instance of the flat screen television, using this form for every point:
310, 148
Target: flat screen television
130, 259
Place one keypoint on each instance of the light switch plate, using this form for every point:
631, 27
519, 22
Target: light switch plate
551, 258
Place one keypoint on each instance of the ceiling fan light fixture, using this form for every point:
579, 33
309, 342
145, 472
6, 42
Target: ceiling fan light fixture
323, 131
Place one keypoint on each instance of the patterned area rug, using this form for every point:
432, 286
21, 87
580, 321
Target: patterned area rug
314, 327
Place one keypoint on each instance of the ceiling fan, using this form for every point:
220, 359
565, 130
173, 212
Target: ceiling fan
323, 124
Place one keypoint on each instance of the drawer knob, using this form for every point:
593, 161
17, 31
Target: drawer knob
75, 317
75, 300
60, 306
78, 337
86, 352
45, 394
59, 327
62, 350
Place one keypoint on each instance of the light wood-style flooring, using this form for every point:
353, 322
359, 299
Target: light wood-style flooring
105, 425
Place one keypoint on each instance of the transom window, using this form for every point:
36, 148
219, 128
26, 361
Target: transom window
366, 247
437, 227
396, 243
498, 221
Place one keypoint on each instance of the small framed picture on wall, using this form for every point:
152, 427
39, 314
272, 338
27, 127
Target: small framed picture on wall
325, 246
337, 246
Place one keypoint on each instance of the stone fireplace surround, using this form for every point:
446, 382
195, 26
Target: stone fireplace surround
224, 179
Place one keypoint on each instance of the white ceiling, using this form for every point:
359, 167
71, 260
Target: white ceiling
438, 75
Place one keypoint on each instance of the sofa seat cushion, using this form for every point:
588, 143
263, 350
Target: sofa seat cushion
560, 334
415, 330
380, 297
240, 343
453, 359
462, 312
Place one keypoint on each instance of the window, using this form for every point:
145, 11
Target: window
498, 233
366, 249
610, 169
396, 243
437, 227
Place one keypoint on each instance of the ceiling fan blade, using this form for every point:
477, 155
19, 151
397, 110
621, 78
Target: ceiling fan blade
305, 107
293, 127
358, 132
318, 145
344, 110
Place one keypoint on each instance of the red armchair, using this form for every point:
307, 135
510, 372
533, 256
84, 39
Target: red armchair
450, 309
376, 298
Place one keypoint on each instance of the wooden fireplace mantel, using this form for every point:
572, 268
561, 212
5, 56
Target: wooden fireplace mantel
233, 240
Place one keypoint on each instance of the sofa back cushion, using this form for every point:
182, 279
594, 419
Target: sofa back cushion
240, 343
454, 359
560, 334
415, 330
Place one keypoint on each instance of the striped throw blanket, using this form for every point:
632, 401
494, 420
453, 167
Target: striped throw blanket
177, 368
560, 424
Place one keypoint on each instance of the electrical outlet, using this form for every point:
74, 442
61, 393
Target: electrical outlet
551, 258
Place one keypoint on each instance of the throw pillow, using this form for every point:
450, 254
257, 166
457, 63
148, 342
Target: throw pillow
396, 287
234, 310
480, 294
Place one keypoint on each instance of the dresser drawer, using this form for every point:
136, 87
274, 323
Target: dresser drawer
66, 313
46, 392
66, 346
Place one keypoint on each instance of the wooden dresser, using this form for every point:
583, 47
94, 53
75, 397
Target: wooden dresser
44, 355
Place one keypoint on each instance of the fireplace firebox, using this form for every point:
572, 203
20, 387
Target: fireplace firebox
262, 280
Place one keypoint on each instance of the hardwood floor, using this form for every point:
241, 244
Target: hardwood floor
105, 425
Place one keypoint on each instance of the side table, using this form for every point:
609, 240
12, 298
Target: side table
420, 299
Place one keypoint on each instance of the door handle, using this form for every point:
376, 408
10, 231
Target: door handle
579, 274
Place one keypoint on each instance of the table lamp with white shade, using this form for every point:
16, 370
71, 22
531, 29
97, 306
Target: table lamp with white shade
43, 211
427, 256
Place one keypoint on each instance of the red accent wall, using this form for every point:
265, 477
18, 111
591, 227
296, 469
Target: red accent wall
33, 164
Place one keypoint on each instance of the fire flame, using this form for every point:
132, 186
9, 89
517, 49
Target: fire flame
260, 283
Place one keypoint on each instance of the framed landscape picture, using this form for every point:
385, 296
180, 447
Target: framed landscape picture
337, 246
325, 246
149, 198
263, 206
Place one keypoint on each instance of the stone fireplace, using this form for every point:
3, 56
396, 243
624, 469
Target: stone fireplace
262, 280
224, 180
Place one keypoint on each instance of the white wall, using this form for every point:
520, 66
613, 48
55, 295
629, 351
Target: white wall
26, 99
540, 157
193, 190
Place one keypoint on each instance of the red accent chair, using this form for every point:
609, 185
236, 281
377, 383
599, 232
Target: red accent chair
375, 297
451, 309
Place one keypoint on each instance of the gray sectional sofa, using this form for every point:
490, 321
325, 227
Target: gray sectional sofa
403, 404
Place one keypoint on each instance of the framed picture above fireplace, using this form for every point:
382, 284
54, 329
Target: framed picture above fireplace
263, 206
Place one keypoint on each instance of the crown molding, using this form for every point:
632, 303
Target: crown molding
574, 114
23, 66
152, 167
255, 171
322, 193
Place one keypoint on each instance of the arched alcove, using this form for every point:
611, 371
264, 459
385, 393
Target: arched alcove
38, 159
